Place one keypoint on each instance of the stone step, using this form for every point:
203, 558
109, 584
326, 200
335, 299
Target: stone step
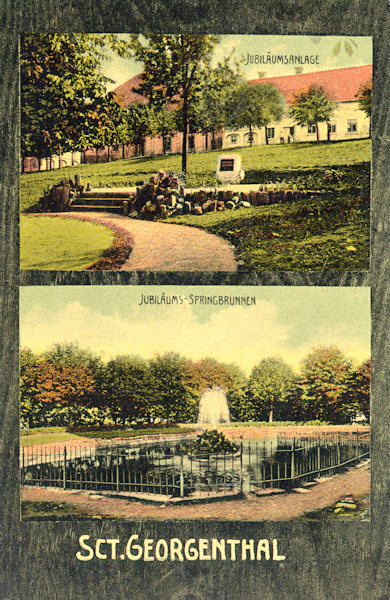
107, 194
97, 200
103, 207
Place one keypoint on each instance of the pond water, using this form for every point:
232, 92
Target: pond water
169, 468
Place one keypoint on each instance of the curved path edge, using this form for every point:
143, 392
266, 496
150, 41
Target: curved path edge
167, 247
286, 506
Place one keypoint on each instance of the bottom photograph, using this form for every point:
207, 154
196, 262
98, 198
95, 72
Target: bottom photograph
189, 402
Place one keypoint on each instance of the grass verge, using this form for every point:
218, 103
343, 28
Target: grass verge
44, 435
59, 511
317, 234
48, 243
331, 513
260, 162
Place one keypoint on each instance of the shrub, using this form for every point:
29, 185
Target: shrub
212, 442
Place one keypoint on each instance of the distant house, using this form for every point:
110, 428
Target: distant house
347, 122
151, 145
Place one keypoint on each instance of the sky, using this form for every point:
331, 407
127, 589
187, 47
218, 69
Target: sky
239, 46
286, 322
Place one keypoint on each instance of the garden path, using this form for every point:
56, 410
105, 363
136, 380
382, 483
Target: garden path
168, 247
281, 507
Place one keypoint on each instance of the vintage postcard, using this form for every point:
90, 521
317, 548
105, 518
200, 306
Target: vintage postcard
177, 402
162, 438
228, 153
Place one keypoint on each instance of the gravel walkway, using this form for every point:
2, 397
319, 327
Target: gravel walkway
252, 508
167, 247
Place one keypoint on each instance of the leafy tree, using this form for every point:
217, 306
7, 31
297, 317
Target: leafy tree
127, 385
173, 400
70, 355
46, 385
172, 67
206, 373
217, 87
359, 388
269, 384
324, 386
255, 106
364, 96
63, 94
312, 106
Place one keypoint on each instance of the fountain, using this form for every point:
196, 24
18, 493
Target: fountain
213, 408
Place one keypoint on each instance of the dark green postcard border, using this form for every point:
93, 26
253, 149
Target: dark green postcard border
325, 561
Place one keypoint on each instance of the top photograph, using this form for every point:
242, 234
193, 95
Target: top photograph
228, 153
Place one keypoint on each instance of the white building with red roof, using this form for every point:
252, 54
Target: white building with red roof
347, 121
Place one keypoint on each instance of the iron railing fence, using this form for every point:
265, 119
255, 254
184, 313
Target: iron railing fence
168, 469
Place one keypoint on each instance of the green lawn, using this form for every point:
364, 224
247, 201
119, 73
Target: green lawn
329, 232
43, 435
49, 243
318, 234
60, 511
256, 161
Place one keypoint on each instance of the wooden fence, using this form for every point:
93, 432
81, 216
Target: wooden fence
167, 469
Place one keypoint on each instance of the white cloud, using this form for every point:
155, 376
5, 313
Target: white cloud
235, 334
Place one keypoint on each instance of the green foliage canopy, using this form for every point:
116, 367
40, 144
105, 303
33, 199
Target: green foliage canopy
173, 66
255, 106
324, 385
64, 100
311, 106
268, 386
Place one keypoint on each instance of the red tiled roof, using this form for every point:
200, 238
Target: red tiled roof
342, 84
125, 93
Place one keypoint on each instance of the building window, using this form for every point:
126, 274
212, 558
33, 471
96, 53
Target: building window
311, 129
167, 144
332, 127
292, 131
233, 138
191, 142
250, 137
352, 127
270, 132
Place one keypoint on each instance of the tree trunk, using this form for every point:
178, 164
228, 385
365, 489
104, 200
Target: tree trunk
96, 155
266, 135
328, 132
59, 158
271, 414
318, 132
123, 151
185, 133
206, 140
108, 153
250, 136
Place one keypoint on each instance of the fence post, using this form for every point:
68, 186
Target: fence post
319, 455
339, 451
117, 470
64, 478
293, 463
181, 477
241, 479
357, 444
22, 475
